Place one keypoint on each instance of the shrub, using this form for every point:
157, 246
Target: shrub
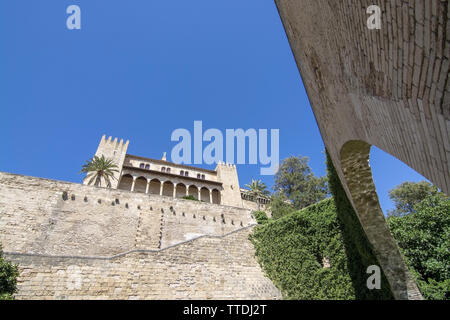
279, 205
8, 278
190, 197
261, 217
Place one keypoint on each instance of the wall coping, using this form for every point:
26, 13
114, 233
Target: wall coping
69, 183
119, 255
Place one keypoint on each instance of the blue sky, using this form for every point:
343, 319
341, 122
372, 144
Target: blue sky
139, 70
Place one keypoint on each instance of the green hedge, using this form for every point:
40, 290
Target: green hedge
291, 251
8, 278
190, 197
261, 217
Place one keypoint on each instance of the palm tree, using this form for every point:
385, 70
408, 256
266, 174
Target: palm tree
257, 189
98, 168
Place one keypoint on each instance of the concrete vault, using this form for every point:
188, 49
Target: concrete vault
385, 87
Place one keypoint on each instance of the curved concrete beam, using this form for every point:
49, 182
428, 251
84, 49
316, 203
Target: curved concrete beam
388, 87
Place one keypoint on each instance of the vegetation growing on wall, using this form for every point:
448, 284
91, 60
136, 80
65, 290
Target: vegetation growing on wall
8, 281
190, 197
280, 205
261, 217
319, 252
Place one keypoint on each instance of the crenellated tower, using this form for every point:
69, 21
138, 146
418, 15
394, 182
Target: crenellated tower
115, 150
231, 193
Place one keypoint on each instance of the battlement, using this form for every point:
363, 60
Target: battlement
115, 144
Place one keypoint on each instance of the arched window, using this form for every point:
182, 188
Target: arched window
147, 166
186, 174
142, 165
168, 170
203, 176
125, 182
163, 169
198, 175
182, 173
168, 189
140, 185
154, 187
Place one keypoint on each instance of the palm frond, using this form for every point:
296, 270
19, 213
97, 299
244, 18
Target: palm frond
98, 168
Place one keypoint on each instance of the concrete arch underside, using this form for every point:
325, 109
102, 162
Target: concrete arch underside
359, 181
388, 87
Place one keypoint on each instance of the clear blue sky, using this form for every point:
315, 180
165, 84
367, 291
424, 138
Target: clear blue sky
140, 69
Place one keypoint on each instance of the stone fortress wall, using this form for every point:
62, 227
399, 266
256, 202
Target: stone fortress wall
77, 241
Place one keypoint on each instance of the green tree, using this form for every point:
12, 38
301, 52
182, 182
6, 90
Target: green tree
8, 278
257, 189
99, 168
297, 181
408, 194
280, 205
261, 217
424, 239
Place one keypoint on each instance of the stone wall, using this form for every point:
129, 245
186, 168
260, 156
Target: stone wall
126, 245
205, 268
388, 88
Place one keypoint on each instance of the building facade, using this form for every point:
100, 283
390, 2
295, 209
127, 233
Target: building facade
161, 177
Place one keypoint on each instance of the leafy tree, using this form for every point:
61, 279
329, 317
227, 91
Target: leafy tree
297, 181
257, 189
408, 194
100, 168
424, 239
8, 278
261, 217
280, 206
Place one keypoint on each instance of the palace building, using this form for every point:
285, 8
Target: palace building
164, 178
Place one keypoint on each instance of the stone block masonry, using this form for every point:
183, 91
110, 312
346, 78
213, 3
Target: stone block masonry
73, 241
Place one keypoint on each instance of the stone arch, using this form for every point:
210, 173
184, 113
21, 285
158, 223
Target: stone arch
154, 186
125, 182
354, 157
204, 194
140, 185
193, 191
180, 190
216, 196
168, 189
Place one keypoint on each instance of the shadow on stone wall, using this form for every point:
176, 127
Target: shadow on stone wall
357, 247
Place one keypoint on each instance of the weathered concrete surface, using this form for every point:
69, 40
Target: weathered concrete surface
388, 88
